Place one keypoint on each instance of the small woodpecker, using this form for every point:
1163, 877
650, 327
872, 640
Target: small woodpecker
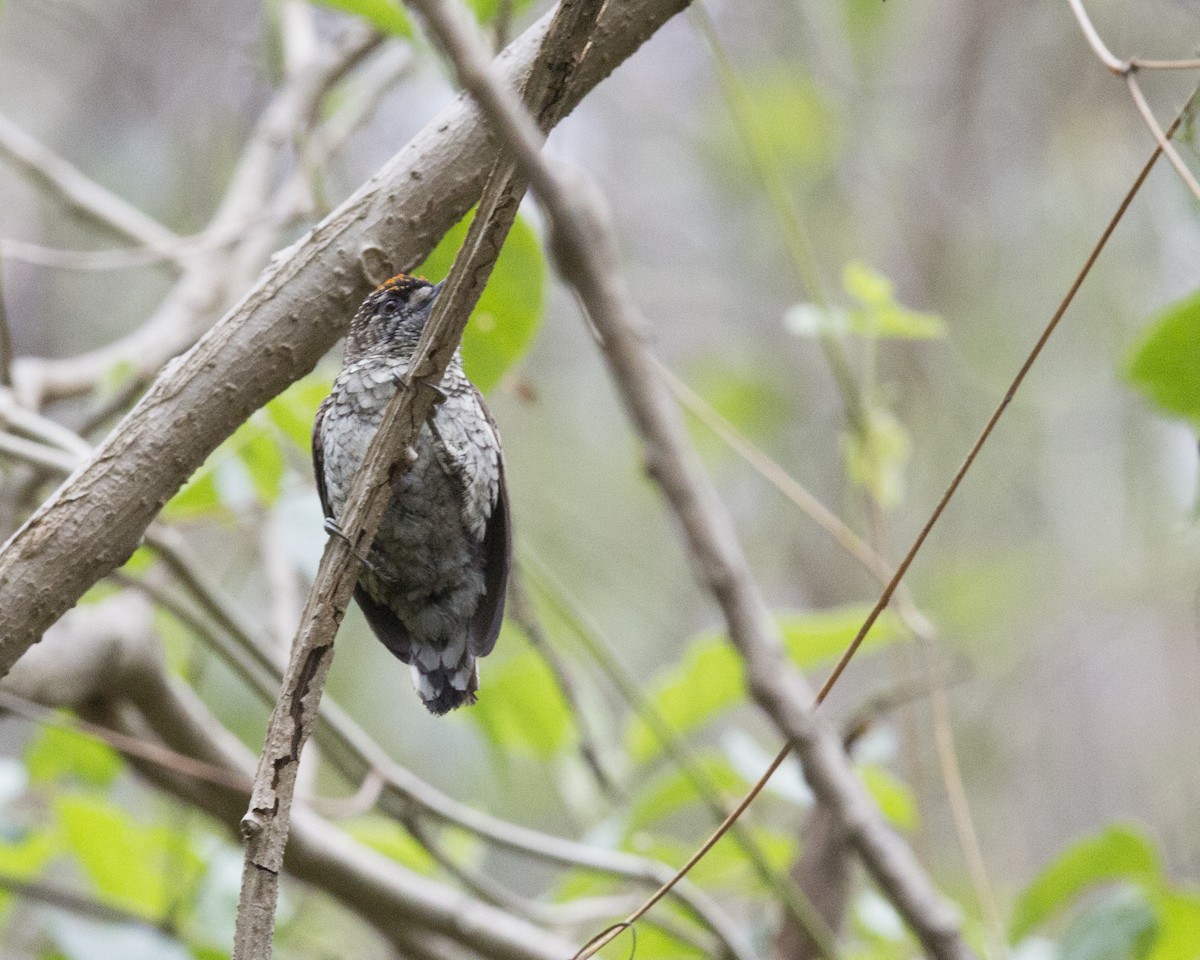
432, 585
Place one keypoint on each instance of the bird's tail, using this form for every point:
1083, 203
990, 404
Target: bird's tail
444, 687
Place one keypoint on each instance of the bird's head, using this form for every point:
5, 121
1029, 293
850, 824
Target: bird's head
391, 319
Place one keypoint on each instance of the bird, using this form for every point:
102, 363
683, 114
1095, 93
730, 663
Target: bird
432, 585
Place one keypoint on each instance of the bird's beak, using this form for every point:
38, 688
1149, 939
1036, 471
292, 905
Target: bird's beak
437, 288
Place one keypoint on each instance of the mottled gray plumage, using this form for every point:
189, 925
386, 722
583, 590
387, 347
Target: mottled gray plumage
433, 585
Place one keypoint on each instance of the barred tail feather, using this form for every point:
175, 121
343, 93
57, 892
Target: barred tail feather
443, 688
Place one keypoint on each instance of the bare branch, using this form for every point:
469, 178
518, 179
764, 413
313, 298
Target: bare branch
79, 192
1121, 68
1164, 144
211, 279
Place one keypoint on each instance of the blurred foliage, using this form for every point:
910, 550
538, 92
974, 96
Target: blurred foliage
1165, 362
523, 710
506, 319
1122, 904
388, 15
876, 315
710, 677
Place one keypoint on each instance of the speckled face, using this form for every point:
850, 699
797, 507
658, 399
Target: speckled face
390, 320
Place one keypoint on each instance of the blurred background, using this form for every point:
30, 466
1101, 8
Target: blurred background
908, 187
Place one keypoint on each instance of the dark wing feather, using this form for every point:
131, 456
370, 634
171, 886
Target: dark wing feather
385, 624
497, 558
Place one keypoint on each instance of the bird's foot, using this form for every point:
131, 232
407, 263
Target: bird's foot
332, 528
400, 378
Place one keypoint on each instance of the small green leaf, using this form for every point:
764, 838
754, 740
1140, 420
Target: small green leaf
248, 467
27, 856
1120, 927
709, 680
894, 797
1118, 853
876, 459
198, 497
724, 866
294, 410
58, 752
508, 315
393, 841
711, 677
1165, 363
485, 10
815, 637
130, 865
1178, 920
878, 314
387, 15
258, 449
521, 708
673, 790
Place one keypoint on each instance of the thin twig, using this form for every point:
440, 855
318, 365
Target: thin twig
1164, 144
78, 191
6, 344
524, 615
1015, 385
125, 744
357, 756
1121, 68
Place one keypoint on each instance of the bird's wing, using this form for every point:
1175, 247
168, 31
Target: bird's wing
383, 622
469, 453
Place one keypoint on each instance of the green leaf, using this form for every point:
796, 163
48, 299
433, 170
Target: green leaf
1121, 927
485, 10
1118, 853
58, 752
813, 638
725, 866
876, 459
509, 313
1178, 920
258, 449
710, 678
198, 497
1165, 363
393, 841
879, 315
132, 866
24, 858
893, 795
673, 790
387, 15
521, 708
294, 410
247, 467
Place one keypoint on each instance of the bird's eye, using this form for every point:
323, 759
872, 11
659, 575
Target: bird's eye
390, 307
